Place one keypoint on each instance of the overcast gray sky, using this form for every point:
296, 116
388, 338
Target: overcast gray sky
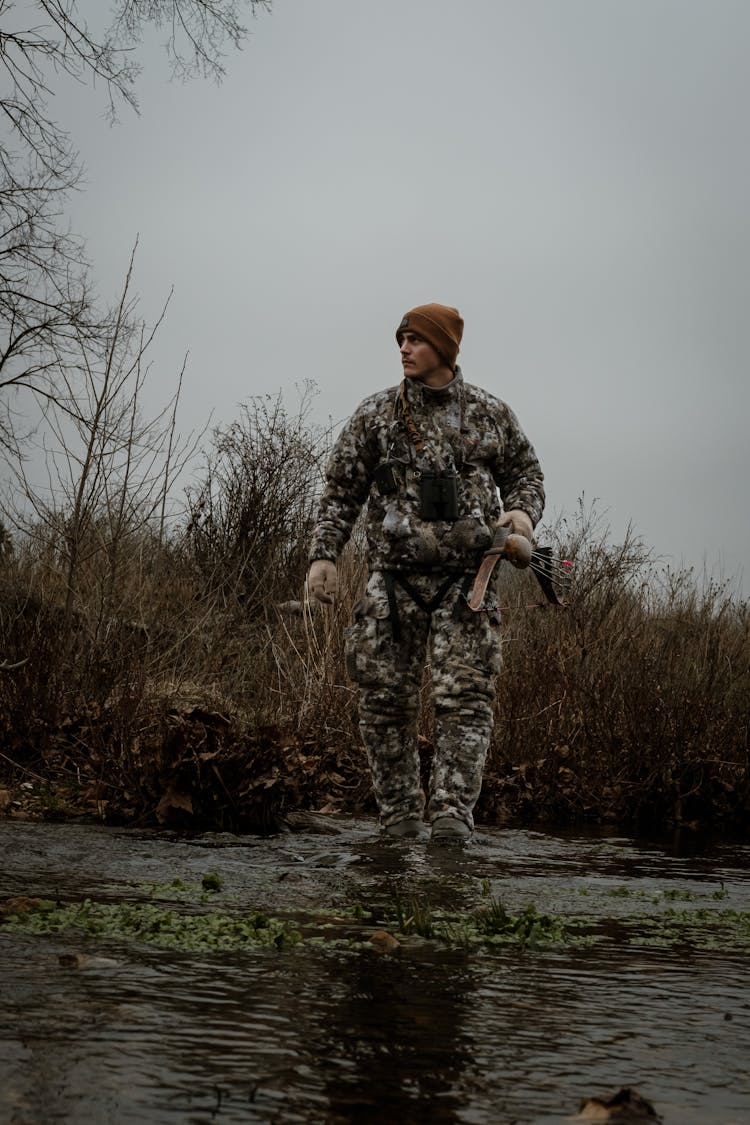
574, 175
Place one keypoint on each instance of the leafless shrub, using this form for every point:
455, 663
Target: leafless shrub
630, 704
108, 470
251, 514
212, 688
85, 555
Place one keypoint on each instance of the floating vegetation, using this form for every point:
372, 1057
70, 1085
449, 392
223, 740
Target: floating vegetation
720, 930
489, 924
211, 881
177, 890
495, 924
221, 930
159, 926
193, 919
707, 926
671, 894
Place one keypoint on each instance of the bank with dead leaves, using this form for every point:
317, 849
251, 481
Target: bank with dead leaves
194, 703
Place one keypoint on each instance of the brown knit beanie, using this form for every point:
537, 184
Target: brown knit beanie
441, 325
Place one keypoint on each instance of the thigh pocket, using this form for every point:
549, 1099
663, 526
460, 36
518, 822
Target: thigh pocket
483, 646
368, 642
368, 651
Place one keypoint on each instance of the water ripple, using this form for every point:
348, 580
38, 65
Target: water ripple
326, 1035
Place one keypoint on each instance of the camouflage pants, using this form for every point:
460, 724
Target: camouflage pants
463, 650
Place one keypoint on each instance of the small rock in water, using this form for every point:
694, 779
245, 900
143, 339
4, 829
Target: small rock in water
626, 1106
383, 942
86, 961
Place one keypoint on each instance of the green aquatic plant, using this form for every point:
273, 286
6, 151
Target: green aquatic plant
673, 894
211, 881
490, 923
159, 926
196, 921
707, 929
359, 911
495, 923
414, 916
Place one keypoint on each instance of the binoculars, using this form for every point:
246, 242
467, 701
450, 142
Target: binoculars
438, 498
439, 495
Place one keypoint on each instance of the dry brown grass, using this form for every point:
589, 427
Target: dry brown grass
208, 692
632, 704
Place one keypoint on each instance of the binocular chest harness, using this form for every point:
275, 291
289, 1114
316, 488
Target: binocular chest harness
439, 501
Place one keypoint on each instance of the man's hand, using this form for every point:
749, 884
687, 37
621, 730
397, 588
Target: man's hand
518, 522
322, 580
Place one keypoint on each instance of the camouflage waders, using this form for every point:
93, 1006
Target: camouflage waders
464, 653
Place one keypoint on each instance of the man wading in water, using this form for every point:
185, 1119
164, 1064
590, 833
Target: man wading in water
429, 458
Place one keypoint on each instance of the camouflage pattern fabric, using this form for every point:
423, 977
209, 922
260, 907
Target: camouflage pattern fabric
463, 428
464, 653
466, 430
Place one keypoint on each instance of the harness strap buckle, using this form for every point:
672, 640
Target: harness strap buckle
429, 607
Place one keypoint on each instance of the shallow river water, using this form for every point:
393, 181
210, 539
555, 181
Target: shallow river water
333, 1029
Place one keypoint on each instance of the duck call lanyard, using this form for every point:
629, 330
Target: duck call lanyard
403, 410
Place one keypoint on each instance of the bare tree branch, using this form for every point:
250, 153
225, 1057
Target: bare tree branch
108, 469
47, 305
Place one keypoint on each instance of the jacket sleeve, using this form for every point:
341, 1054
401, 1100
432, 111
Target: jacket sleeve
348, 476
517, 471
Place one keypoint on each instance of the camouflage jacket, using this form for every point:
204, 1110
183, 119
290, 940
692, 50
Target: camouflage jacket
463, 428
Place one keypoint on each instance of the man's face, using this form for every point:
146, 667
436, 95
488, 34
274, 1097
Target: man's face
418, 358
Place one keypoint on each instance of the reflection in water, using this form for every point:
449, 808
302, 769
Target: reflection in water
393, 1046
332, 1036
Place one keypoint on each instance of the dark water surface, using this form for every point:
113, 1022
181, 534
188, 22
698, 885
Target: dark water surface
332, 1034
